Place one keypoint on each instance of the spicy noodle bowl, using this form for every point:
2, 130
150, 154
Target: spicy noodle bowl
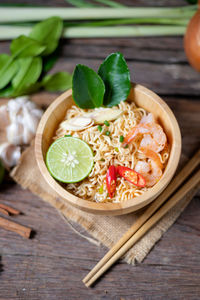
143, 148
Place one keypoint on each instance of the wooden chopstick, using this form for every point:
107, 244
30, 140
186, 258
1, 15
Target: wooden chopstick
177, 181
189, 185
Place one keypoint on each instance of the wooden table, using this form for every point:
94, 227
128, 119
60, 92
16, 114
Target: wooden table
51, 265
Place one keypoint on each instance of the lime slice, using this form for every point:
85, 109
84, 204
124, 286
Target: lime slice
69, 159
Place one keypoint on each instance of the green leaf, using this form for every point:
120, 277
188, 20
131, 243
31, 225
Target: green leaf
48, 32
30, 69
60, 81
24, 46
49, 61
8, 68
28, 89
4, 58
115, 74
7, 91
87, 87
2, 171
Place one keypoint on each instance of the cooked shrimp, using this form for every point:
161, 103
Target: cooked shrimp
148, 119
150, 171
152, 155
151, 133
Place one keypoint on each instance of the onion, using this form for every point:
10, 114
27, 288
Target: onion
192, 41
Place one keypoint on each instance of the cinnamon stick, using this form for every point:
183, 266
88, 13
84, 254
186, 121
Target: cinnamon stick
11, 210
15, 227
3, 211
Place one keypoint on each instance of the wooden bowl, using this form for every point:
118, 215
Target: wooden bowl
143, 97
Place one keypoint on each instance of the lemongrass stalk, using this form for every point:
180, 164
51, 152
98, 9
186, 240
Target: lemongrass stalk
81, 3
110, 3
161, 21
23, 14
129, 21
123, 31
10, 32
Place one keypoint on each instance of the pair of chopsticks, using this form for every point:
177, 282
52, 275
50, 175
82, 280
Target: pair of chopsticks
149, 218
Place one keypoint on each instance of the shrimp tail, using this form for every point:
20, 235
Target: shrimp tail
130, 136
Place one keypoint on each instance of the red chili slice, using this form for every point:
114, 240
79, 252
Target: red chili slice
131, 176
111, 180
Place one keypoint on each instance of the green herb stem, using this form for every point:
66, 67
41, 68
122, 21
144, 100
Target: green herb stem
121, 138
106, 123
110, 3
81, 3
101, 189
10, 32
24, 14
99, 128
123, 31
164, 21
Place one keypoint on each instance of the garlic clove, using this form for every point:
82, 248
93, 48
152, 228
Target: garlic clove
4, 117
37, 112
27, 135
30, 105
22, 100
23, 117
15, 133
30, 121
14, 108
80, 121
9, 154
77, 123
100, 115
97, 116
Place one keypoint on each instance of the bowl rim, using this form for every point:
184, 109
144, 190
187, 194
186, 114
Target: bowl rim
114, 208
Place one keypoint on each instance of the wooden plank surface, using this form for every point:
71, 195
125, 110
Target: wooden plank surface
51, 265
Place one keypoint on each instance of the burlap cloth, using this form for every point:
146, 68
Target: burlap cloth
105, 229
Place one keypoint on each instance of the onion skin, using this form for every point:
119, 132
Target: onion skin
192, 41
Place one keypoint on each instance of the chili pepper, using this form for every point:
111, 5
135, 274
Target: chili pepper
131, 176
111, 181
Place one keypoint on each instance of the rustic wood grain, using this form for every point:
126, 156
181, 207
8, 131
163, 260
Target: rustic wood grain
51, 265
150, 64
